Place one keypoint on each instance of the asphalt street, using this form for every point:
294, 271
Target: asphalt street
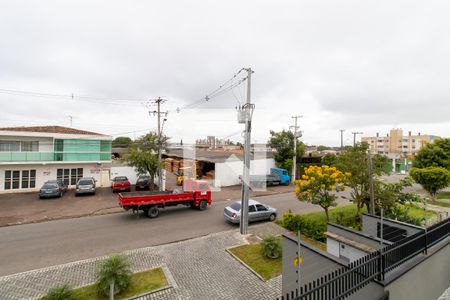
31, 246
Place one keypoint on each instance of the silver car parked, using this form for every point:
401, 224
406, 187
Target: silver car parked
256, 212
85, 185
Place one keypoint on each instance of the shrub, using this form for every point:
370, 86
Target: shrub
271, 246
401, 213
310, 227
62, 292
115, 269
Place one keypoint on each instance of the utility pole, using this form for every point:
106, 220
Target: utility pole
247, 109
70, 119
342, 139
354, 137
158, 112
294, 159
371, 189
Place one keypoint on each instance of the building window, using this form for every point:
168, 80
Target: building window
14, 180
29, 146
59, 149
69, 176
9, 146
16, 146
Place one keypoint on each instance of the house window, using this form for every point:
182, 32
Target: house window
9, 146
16, 146
29, 146
69, 176
14, 180
59, 148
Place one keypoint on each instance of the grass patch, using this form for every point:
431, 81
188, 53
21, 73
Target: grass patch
439, 203
336, 214
418, 212
140, 283
252, 255
443, 195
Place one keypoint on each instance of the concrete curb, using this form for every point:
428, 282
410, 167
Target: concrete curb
149, 293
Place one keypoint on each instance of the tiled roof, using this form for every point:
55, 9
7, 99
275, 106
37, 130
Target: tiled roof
49, 129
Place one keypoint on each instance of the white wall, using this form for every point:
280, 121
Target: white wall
131, 174
227, 173
49, 172
343, 250
333, 247
124, 171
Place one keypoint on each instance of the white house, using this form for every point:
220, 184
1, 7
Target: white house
29, 156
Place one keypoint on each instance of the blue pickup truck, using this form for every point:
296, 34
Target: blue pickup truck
276, 177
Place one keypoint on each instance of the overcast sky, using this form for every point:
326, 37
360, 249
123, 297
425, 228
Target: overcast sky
356, 65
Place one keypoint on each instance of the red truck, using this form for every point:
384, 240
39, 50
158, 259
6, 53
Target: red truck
195, 194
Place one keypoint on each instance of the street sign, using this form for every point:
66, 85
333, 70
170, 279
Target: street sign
296, 260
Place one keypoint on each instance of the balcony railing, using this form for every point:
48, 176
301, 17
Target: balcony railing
53, 156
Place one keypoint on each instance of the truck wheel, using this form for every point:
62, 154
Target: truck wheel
153, 212
203, 205
272, 217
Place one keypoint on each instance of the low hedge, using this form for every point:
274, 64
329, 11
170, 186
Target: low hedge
314, 225
314, 229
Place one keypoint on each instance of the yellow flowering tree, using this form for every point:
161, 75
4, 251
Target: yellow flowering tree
319, 184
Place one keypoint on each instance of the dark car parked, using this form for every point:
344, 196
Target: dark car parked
52, 188
143, 183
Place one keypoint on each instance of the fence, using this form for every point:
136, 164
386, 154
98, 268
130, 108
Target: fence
349, 279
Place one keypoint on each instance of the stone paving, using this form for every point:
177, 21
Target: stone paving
196, 269
445, 295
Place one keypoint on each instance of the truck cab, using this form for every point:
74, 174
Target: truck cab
283, 174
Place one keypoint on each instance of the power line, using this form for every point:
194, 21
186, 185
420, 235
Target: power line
222, 89
71, 96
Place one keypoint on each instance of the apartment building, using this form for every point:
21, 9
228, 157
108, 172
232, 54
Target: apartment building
397, 143
29, 156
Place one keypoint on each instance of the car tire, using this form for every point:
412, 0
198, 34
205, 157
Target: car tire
153, 212
272, 217
203, 205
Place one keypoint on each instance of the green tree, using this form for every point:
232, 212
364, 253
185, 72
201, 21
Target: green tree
115, 269
142, 155
435, 154
389, 195
121, 142
319, 186
329, 159
283, 143
354, 160
144, 162
149, 142
432, 179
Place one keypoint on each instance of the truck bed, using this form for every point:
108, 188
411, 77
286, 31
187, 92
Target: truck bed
153, 198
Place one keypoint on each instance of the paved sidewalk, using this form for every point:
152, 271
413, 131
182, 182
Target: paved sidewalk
196, 269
